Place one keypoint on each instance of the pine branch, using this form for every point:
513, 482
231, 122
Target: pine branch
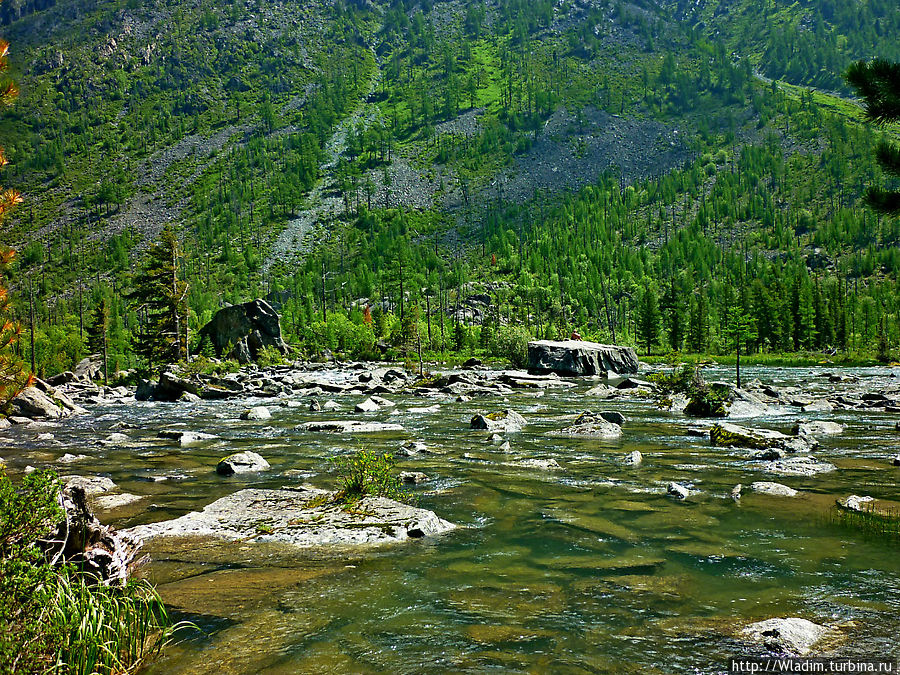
878, 83
884, 201
888, 156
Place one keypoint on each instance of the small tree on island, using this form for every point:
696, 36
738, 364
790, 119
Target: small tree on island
161, 293
98, 331
649, 318
738, 329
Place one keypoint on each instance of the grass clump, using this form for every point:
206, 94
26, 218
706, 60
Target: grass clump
54, 617
368, 474
876, 522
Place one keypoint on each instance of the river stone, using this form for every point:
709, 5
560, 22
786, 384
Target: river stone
505, 420
257, 413
314, 406
414, 477
505, 447
601, 391
613, 417
245, 330
800, 466
110, 502
411, 449
303, 517
331, 406
92, 485
726, 434
349, 427
818, 428
678, 491
579, 357
543, 464
367, 406
633, 458
382, 402
856, 503
789, 635
44, 402
589, 424
242, 462
818, 406
185, 438
895, 460
775, 489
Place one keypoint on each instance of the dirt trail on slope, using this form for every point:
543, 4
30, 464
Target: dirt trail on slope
323, 202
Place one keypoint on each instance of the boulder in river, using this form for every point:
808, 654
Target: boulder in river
257, 413
349, 427
775, 489
243, 331
242, 462
302, 517
504, 420
633, 458
185, 437
678, 491
578, 357
817, 428
804, 465
790, 635
589, 424
733, 435
42, 401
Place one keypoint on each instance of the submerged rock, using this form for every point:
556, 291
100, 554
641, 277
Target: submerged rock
726, 434
678, 491
302, 517
367, 406
800, 466
633, 458
775, 489
185, 438
543, 464
90, 485
505, 420
578, 357
857, 503
589, 424
256, 414
413, 477
790, 635
349, 427
818, 428
242, 462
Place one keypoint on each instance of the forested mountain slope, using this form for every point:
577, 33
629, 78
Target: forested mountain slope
619, 168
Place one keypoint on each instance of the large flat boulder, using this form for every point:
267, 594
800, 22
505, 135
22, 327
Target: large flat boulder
41, 401
589, 424
578, 357
242, 331
303, 517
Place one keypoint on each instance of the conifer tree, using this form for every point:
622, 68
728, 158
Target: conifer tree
98, 331
648, 318
878, 84
739, 329
162, 295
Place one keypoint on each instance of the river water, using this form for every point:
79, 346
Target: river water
590, 568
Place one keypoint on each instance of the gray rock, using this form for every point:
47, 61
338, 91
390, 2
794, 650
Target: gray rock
34, 402
69, 458
242, 462
110, 502
613, 417
678, 491
578, 357
589, 424
286, 516
601, 391
413, 477
315, 406
185, 438
818, 428
505, 447
381, 402
411, 449
367, 406
634, 383
349, 427
92, 485
895, 460
256, 413
331, 406
818, 406
726, 434
505, 420
543, 464
800, 466
633, 458
790, 635
857, 503
246, 330
775, 489
768, 454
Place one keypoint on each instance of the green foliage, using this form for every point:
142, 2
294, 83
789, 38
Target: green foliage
512, 344
269, 356
703, 400
55, 618
366, 473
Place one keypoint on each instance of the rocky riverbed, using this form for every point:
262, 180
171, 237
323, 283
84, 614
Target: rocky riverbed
628, 537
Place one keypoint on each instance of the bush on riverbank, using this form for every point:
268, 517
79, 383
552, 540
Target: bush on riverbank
53, 617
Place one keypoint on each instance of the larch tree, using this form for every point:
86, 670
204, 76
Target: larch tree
878, 84
13, 377
160, 294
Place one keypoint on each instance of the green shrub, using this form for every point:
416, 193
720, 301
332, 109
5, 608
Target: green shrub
512, 344
703, 400
368, 474
55, 618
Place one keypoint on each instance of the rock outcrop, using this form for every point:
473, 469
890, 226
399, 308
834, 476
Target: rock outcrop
302, 517
578, 357
242, 331
41, 401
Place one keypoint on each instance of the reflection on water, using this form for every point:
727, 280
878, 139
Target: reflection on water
586, 569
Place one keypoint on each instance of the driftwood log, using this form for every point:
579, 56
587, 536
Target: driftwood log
96, 549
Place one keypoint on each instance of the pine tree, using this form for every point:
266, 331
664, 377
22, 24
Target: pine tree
13, 377
878, 84
162, 296
648, 318
98, 332
739, 329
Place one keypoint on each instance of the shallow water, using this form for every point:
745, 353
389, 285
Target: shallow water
586, 569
